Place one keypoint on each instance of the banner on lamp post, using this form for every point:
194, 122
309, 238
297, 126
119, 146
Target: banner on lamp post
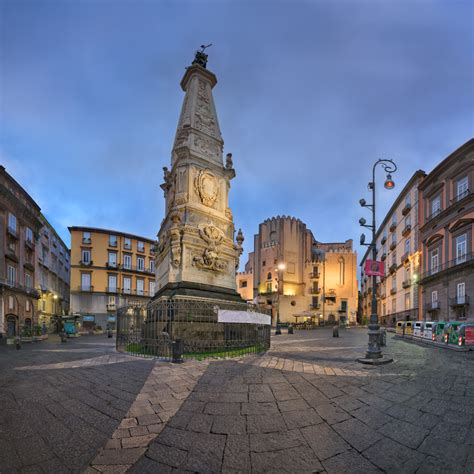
374, 268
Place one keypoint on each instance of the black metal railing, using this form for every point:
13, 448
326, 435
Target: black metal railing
85, 288
459, 301
133, 268
461, 196
191, 326
432, 306
406, 209
465, 259
16, 286
406, 230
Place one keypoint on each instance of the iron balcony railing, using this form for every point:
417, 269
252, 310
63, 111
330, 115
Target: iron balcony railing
384, 239
392, 268
433, 215
406, 209
405, 257
406, 230
465, 259
16, 286
112, 289
86, 240
30, 244
134, 268
432, 306
85, 288
459, 301
12, 232
314, 275
113, 243
461, 196
86, 264
406, 283
393, 227
383, 257
315, 291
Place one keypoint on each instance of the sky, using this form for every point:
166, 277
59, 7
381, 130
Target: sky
310, 94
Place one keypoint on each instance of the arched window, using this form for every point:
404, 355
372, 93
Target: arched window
269, 276
342, 270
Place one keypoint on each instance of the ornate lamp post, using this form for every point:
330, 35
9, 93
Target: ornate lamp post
374, 353
280, 268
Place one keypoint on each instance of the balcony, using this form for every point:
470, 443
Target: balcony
406, 283
127, 246
406, 209
464, 261
86, 288
314, 275
15, 286
393, 246
29, 266
112, 265
433, 215
406, 230
393, 268
111, 307
86, 264
315, 306
383, 296
12, 232
393, 291
131, 268
384, 239
461, 196
141, 249
459, 301
112, 289
86, 240
383, 257
30, 245
393, 227
315, 291
405, 257
433, 306
113, 243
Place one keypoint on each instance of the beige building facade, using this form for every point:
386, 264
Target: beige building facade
305, 280
53, 275
398, 246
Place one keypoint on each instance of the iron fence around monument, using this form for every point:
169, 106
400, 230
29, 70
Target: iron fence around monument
188, 327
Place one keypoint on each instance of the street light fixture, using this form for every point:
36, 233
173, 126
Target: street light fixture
280, 267
374, 353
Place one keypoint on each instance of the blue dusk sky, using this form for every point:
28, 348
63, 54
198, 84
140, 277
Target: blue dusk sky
310, 95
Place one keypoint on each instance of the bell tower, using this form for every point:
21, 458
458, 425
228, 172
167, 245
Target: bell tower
197, 250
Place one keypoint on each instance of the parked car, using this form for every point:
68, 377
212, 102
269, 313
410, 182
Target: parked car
437, 332
428, 330
466, 335
450, 332
400, 327
418, 328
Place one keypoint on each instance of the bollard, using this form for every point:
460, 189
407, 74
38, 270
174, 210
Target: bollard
290, 329
17, 343
177, 349
335, 331
63, 337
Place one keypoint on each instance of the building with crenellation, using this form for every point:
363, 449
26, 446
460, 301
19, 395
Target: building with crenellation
305, 280
109, 269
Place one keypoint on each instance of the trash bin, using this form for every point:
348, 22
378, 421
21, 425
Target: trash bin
177, 347
335, 331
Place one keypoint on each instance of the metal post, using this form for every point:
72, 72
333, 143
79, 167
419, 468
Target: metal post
278, 328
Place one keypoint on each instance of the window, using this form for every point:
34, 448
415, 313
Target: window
127, 261
394, 257
407, 221
28, 281
12, 221
269, 287
435, 206
344, 305
394, 221
342, 271
127, 243
243, 284
315, 302
112, 259
394, 305
407, 200
384, 309
140, 263
140, 286
462, 188
407, 246
85, 281
152, 288
394, 283
111, 301
113, 240
407, 301
86, 237
434, 260
269, 275
11, 275
434, 296
461, 248
140, 246
461, 293
11, 302
394, 239
264, 263
112, 283
127, 285
86, 256
28, 306
152, 265
29, 235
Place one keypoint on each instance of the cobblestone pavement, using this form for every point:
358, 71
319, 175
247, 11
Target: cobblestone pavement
305, 406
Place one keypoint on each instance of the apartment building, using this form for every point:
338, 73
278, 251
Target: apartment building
398, 246
109, 269
19, 226
446, 230
305, 280
53, 274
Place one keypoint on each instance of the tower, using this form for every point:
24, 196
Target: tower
196, 252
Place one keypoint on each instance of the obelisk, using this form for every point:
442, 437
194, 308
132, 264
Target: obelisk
197, 252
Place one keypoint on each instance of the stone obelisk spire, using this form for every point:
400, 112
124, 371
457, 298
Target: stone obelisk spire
196, 252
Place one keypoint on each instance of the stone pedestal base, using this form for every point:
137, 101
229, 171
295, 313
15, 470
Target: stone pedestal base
380, 361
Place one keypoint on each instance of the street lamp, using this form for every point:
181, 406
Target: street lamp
374, 353
281, 266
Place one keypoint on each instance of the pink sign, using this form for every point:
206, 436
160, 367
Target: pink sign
374, 268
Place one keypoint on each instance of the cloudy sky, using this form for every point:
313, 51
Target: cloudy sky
310, 94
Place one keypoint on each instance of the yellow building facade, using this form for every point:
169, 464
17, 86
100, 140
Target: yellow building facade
109, 269
302, 279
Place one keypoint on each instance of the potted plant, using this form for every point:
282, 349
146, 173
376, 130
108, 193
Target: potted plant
26, 334
37, 333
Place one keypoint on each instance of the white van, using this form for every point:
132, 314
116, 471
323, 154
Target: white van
418, 328
427, 330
